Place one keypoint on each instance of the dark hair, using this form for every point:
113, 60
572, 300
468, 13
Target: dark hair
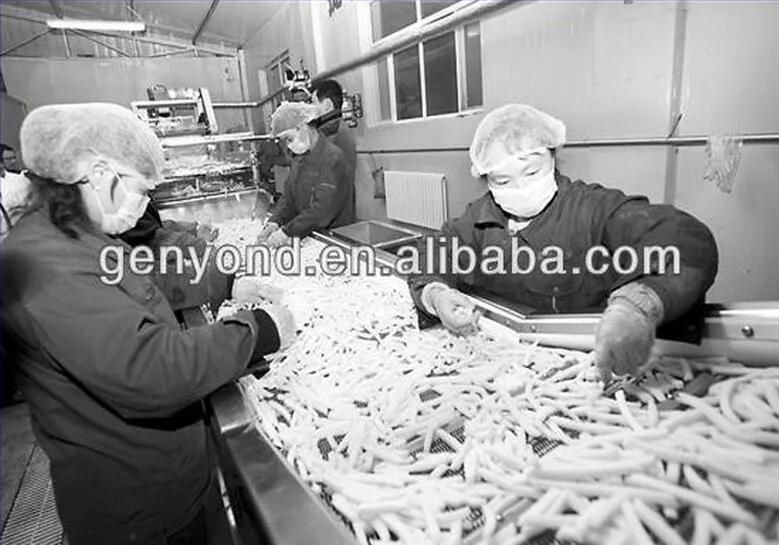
329, 88
64, 203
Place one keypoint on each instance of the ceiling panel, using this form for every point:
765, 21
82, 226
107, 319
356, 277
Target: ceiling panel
240, 19
233, 22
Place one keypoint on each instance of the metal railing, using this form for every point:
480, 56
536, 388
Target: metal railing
758, 138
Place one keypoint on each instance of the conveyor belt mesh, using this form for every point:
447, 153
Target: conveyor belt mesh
682, 521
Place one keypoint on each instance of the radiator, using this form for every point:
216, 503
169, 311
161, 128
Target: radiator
418, 198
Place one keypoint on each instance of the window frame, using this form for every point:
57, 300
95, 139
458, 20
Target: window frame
420, 22
460, 62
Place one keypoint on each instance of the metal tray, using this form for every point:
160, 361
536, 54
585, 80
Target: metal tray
376, 234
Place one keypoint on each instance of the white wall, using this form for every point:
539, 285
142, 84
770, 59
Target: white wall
731, 86
121, 80
606, 70
288, 30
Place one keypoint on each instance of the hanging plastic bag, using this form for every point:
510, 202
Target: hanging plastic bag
723, 154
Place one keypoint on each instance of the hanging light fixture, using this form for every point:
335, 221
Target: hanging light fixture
96, 25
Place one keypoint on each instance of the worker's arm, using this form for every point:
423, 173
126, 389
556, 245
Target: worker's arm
133, 361
183, 292
641, 226
433, 274
329, 198
285, 207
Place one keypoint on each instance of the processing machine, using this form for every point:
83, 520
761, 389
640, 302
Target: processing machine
209, 176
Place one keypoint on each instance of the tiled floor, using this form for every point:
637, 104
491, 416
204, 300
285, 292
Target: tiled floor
27, 509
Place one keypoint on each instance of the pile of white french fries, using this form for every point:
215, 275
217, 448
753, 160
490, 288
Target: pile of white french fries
422, 437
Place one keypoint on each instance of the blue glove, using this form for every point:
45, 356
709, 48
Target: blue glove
626, 333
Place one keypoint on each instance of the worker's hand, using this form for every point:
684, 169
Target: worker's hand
623, 339
285, 324
269, 229
457, 313
278, 238
250, 290
206, 232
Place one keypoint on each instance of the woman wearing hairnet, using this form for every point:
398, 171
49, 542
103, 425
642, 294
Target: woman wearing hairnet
114, 385
531, 204
317, 193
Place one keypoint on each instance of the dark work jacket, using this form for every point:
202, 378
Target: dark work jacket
113, 384
317, 192
144, 230
579, 217
339, 135
182, 294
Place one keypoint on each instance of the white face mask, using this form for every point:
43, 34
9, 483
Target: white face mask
126, 216
526, 201
300, 144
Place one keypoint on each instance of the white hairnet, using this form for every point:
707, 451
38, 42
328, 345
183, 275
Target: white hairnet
290, 115
518, 127
56, 138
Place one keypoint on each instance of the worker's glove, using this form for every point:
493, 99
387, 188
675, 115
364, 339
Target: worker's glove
206, 232
269, 229
457, 313
279, 238
285, 324
250, 290
626, 333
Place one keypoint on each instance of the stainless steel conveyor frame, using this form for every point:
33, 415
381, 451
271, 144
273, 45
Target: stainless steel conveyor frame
272, 504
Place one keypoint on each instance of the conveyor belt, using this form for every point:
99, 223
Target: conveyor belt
310, 503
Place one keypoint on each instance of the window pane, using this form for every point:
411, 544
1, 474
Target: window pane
473, 65
429, 7
408, 93
441, 75
384, 91
390, 16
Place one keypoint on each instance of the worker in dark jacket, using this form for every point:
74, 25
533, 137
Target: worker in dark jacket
317, 192
546, 242
327, 95
113, 383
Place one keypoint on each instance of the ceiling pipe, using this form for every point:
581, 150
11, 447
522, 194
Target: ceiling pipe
205, 20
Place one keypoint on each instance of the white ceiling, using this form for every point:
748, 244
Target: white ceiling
232, 23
